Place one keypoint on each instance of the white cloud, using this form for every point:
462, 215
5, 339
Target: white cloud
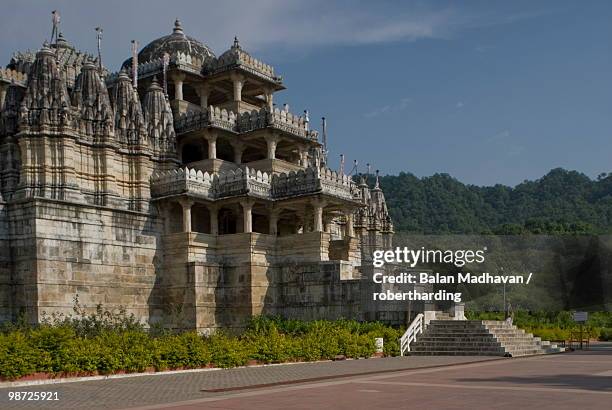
460, 104
401, 105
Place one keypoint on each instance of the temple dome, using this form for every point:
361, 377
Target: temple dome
172, 43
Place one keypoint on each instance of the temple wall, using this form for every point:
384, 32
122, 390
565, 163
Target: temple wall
5, 266
105, 256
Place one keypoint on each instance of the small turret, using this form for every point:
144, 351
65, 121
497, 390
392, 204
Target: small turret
159, 120
129, 121
46, 100
90, 97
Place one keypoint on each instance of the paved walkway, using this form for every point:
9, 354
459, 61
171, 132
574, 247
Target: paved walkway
170, 388
578, 380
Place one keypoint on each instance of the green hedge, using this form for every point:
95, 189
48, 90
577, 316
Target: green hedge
65, 348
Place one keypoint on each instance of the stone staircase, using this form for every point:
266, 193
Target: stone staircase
444, 337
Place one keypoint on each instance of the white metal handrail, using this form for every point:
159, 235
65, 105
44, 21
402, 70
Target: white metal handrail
411, 333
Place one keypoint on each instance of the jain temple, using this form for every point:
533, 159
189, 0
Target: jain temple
176, 189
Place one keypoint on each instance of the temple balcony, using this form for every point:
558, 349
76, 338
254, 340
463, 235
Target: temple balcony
246, 181
214, 117
280, 120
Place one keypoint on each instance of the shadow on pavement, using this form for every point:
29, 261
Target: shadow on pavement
569, 381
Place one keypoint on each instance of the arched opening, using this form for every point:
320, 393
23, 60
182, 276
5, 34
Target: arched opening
288, 223
225, 151
261, 222
227, 221
285, 152
193, 151
253, 154
190, 94
200, 218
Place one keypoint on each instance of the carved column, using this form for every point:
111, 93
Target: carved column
318, 206
203, 92
3, 89
349, 224
214, 219
271, 141
212, 145
247, 215
238, 82
238, 151
273, 228
186, 204
303, 153
178, 86
269, 99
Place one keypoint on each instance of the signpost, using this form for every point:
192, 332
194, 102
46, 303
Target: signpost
581, 317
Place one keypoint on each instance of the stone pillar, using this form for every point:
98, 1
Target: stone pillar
3, 89
178, 86
238, 151
271, 141
303, 153
350, 232
318, 206
186, 204
214, 219
269, 99
247, 215
273, 228
212, 145
238, 82
203, 92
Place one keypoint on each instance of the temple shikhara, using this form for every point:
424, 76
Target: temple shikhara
177, 189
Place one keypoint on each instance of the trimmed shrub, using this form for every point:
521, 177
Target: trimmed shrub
19, 358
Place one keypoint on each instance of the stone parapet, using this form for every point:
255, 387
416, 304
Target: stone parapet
246, 181
226, 119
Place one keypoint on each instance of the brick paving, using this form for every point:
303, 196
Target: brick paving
171, 388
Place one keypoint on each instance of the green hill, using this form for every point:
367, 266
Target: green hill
560, 202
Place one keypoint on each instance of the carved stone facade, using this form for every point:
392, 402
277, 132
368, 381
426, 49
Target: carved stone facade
182, 194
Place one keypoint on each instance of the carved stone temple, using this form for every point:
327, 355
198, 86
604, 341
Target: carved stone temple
176, 189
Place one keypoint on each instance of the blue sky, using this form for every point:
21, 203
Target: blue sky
488, 91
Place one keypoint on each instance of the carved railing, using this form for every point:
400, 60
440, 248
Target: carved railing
252, 182
311, 181
238, 57
248, 121
183, 180
211, 185
211, 117
14, 77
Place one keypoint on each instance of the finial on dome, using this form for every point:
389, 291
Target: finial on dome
123, 74
178, 27
236, 42
377, 186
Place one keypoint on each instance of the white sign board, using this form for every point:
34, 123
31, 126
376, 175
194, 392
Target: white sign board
580, 316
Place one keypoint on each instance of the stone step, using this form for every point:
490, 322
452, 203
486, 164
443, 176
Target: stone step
434, 338
456, 353
491, 338
446, 348
463, 345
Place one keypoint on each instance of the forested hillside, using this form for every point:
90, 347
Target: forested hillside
560, 202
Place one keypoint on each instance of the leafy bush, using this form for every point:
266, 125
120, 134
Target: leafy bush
19, 358
606, 334
228, 351
105, 343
